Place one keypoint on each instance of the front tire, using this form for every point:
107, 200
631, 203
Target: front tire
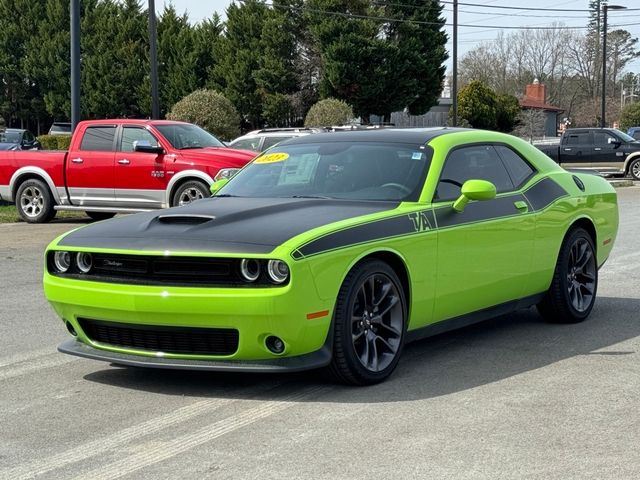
35, 202
572, 293
369, 324
634, 169
189, 192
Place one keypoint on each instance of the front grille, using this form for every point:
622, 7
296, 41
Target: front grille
163, 271
184, 340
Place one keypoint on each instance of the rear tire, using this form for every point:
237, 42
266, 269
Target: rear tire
369, 324
634, 169
572, 293
189, 192
97, 216
34, 201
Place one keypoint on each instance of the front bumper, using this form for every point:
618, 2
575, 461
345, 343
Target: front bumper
318, 359
256, 313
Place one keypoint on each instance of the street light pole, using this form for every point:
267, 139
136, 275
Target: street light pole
454, 79
153, 59
605, 8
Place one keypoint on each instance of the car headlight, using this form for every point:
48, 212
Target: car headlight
84, 261
278, 271
62, 261
250, 269
226, 173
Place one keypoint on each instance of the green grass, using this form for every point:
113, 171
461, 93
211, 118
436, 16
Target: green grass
9, 214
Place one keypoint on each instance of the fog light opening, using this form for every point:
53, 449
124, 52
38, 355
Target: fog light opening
71, 330
274, 344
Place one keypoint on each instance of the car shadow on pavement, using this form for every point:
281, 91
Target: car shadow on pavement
452, 362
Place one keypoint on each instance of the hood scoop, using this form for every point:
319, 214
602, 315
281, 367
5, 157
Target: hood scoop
182, 219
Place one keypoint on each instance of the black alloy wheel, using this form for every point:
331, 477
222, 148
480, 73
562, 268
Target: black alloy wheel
572, 293
370, 322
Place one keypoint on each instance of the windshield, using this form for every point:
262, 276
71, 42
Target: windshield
184, 136
10, 137
625, 137
344, 170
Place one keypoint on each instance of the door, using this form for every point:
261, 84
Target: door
608, 152
576, 149
484, 252
140, 177
90, 168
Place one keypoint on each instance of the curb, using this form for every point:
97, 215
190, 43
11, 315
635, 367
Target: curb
621, 183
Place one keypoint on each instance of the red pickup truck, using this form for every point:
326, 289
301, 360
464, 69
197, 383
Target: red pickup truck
117, 166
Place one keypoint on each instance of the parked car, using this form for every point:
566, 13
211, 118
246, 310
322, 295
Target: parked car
261, 140
18, 139
118, 166
606, 150
334, 250
634, 132
60, 128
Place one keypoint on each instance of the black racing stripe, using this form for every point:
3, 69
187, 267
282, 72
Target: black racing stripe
478, 211
544, 193
415, 222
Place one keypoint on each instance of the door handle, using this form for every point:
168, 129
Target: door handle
124, 161
567, 149
77, 160
597, 149
521, 206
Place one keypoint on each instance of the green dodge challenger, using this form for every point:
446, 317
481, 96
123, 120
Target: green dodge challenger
334, 250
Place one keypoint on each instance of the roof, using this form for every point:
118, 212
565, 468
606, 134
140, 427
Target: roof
527, 102
391, 135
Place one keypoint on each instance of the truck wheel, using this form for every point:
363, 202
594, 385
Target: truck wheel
369, 324
189, 192
572, 293
97, 216
634, 169
35, 202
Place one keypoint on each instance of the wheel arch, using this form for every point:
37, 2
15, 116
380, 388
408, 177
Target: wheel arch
27, 173
396, 261
587, 224
181, 178
629, 160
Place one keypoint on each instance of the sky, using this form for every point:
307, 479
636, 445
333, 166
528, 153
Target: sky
485, 13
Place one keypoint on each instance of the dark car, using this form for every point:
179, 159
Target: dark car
18, 139
634, 132
60, 128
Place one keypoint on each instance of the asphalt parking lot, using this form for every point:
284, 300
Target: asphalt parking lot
512, 398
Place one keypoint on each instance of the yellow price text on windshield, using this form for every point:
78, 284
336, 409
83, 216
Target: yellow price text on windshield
272, 158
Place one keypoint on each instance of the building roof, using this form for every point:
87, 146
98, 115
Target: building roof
527, 102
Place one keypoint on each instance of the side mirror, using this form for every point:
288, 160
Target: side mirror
474, 190
217, 185
144, 146
614, 142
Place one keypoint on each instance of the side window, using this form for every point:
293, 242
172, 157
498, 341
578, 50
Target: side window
98, 139
479, 162
248, 144
133, 134
519, 170
602, 138
578, 138
271, 141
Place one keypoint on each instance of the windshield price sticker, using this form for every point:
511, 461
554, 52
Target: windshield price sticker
272, 158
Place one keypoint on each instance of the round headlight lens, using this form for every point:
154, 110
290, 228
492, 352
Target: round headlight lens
278, 271
250, 269
84, 262
62, 261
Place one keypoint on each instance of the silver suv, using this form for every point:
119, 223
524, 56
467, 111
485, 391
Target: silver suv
260, 140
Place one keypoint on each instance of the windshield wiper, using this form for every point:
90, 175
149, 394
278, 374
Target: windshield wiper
223, 195
190, 147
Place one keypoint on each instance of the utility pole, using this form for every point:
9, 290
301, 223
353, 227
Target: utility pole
153, 58
75, 63
605, 8
454, 80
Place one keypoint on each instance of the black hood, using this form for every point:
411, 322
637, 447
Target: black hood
222, 224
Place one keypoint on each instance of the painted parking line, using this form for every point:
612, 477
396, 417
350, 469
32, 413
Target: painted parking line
155, 452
